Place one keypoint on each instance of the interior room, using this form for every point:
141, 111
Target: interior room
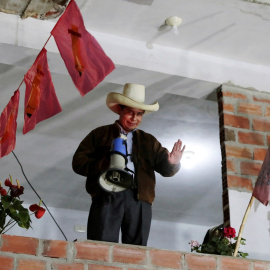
181, 67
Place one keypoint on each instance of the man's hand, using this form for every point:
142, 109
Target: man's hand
177, 152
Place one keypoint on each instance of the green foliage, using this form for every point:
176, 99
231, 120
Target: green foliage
219, 245
12, 207
12, 211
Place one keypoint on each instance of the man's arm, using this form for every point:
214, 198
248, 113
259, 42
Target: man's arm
82, 158
93, 154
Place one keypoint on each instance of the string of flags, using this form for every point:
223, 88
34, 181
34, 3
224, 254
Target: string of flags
261, 190
87, 65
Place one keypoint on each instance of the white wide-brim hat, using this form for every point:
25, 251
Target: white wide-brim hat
133, 96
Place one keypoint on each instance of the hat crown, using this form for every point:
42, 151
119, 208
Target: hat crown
135, 92
133, 96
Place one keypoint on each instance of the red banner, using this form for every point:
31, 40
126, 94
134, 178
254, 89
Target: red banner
40, 98
8, 125
262, 188
84, 58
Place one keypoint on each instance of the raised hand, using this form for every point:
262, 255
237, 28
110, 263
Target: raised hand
177, 152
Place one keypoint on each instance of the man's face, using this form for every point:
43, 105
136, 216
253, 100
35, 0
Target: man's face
130, 118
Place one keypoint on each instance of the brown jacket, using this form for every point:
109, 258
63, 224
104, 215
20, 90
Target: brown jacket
93, 157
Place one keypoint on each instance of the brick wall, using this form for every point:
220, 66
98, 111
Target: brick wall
244, 138
25, 253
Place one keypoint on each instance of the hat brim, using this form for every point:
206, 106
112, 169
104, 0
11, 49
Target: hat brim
115, 99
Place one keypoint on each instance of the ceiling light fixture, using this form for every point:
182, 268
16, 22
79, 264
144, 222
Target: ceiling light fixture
174, 22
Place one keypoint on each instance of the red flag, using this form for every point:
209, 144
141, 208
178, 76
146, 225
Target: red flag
84, 58
262, 188
40, 98
8, 125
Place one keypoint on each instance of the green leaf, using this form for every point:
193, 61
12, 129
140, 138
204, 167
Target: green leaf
24, 217
14, 209
242, 254
2, 217
221, 246
6, 201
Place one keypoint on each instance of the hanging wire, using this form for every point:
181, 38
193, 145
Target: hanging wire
46, 41
22, 167
39, 196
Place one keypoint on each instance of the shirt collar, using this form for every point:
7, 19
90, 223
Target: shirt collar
122, 131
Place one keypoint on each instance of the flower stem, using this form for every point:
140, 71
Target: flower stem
9, 227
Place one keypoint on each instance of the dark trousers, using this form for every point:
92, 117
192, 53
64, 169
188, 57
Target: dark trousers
112, 212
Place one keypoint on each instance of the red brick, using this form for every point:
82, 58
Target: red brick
19, 244
55, 249
25, 264
237, 151
248, 108
261, 125
250, 168
233, 95
103, 267
195, 262
68, 266
230, 165
129, 255
236, 121
263, 100
92, 251
260, 153
261, 266
228, 107
228, 263
250, 138
166, 258
267, 112
239, 182
6, 263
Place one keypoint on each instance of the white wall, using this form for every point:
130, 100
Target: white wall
163, 235
175, 236
256, 229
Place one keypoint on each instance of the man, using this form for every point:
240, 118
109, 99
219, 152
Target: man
128, 210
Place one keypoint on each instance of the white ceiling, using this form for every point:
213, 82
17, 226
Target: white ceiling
218, 42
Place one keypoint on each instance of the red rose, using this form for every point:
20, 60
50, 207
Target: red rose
229, 232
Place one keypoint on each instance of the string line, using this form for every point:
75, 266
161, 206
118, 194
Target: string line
39, 196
